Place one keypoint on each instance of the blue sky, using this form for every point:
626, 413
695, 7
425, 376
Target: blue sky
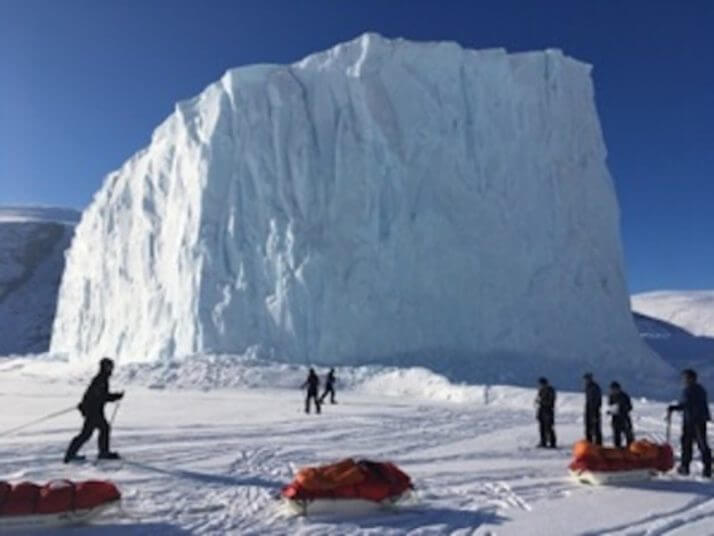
84, 83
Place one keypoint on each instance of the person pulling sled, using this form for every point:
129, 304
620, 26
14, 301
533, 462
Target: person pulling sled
92, 409
694, 406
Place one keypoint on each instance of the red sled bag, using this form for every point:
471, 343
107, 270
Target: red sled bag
20, 499
57, 497
93, 493
639, 455
594, 464
367, 481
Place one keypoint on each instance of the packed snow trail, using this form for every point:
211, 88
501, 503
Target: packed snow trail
211, 462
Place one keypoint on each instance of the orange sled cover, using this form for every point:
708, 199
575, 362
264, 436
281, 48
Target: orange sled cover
639, 455
347, 479
26, 498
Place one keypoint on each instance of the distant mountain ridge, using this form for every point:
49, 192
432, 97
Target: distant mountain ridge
19, 213
674, 344
692, 310
33, 240
678, 326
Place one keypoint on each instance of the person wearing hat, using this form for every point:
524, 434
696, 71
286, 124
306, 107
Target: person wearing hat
593, 403
545, 404
619, 408
92, 409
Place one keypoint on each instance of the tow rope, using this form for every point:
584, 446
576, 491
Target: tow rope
37, 421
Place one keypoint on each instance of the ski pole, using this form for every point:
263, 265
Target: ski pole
37, 421
669, 428
114, 413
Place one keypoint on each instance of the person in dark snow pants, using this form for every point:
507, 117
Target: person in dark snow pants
92, 409
545, 403
619, 408
694, 406
593, 403
313, 387
329, 387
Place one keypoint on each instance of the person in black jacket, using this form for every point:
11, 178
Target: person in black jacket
92, 409
329, 387
593, 403
313, 386
619, 410
545, 403
694, 406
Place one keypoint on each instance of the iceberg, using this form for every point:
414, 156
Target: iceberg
384, 201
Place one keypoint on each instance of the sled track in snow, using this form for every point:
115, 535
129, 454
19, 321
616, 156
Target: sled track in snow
688, 517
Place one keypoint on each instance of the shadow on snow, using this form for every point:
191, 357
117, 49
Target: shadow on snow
118, 529
207, 478
407, 519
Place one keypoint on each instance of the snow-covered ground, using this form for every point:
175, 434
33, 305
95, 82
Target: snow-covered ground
202, 461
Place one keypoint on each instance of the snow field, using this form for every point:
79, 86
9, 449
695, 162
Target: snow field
210, 462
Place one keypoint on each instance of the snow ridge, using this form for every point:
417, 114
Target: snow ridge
690, 310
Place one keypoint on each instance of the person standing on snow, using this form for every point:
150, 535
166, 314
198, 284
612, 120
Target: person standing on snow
329, 387
593, 403
619, 409
92, 409
694, 406
545, 403
313, 387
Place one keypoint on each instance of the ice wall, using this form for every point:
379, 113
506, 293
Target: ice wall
383, 201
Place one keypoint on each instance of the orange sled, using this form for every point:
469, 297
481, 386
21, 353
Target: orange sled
346, 487
27, 506
606, 465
